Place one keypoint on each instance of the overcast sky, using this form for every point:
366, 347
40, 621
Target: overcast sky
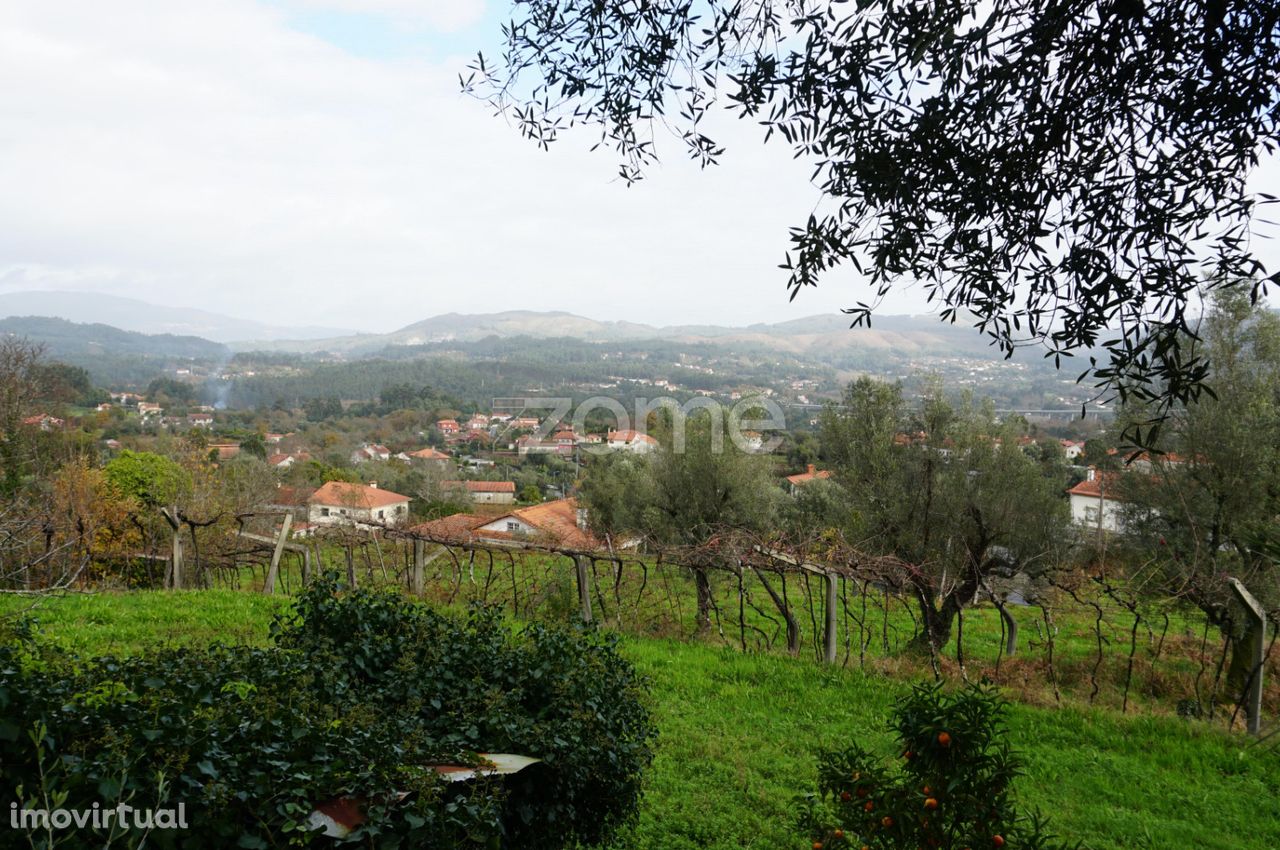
313, 162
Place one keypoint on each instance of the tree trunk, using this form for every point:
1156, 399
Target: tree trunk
793, 628
703, 582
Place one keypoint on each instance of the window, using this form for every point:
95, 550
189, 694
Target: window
512, 525
379, 514
324, 512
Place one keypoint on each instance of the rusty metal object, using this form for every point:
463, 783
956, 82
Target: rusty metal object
341, 816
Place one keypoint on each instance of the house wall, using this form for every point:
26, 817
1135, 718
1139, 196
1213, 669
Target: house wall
318, 514
1089, 511
493, 498
512, 525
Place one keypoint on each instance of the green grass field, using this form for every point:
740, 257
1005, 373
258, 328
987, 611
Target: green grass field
739, 733
1171, 658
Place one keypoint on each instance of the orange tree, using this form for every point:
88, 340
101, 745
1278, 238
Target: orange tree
950, 788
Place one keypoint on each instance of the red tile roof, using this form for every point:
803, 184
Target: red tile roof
556, 523
342, 494
808, 475
1096, 485
429, 454
454, 527
483, 486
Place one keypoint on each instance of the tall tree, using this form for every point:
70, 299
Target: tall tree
947, 490
21, 370
1057, 172
698, 483
1208, 508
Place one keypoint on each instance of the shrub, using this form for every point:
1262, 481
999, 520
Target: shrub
361, 692
949, 787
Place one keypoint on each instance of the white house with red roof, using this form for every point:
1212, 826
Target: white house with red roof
44, 422
1094, 503
448, 426
631, 441
342, 503
367, 453
560, 523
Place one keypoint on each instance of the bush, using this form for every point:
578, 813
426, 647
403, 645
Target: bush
950, 788
360, 693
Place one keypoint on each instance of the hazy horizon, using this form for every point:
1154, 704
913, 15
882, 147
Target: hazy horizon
315, 159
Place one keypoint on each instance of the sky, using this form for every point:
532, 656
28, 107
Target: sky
314, 162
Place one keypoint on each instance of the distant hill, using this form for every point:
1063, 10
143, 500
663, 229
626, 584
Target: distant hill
813, 336
72, 341
131, 314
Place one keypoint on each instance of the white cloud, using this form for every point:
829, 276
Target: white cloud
207, 154
441, 15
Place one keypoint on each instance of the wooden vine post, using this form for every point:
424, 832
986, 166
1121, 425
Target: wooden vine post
831, 637
584, 586
175, 567
269, 585
416, 578
1258, 619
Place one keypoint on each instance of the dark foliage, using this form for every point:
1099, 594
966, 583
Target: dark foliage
1059, 172
951, 790
361, 691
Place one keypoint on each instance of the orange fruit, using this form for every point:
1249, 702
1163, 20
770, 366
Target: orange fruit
931, 803
908, 754
944, 739
817, 845
839, 833
846, 796
997, 840
869, 806
886, 821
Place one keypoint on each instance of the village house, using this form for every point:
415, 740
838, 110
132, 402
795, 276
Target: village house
44, 422
1094, 507
370, 452
448, 426
564, 441
631, 441
148, 409
1072, 449
530, 445
485, 492
225, 451
281, 460
431, 457
200, 420
810, 474
341, 503
560, 523
478, 422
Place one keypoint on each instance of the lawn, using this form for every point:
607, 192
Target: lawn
739, 733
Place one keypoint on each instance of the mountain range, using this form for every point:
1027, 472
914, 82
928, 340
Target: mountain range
179, 331
131, 314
